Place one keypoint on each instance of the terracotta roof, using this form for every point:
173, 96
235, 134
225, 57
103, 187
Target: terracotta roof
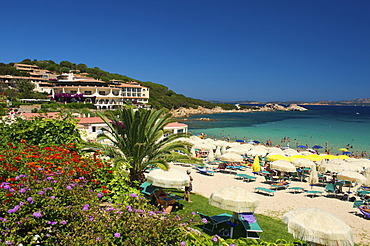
176, 124
50, 115
89, 120
131, 86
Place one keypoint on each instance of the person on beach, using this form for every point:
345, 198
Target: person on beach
189, 188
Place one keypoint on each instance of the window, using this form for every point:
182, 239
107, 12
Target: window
73, 92
102, 93
87, 92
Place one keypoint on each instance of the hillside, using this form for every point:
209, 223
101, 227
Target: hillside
160, 95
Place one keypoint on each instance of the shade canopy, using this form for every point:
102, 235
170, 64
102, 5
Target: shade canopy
303, 162
282, 165
273, 157
210, 156
218, 152
367, 176
257, 151
238, 150
232, 157
234, 198
256, 167
318, 226
352, 176
313, 178
168, 179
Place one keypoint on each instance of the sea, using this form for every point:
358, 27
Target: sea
332, 126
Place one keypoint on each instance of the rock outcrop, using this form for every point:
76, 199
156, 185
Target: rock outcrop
186, 112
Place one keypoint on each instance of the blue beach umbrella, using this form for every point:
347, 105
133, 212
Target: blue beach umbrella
316, 147
302, 146
346, 153
240, 141
257, 142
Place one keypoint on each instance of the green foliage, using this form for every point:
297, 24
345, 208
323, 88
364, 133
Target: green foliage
9, 69
139, 142
40, 131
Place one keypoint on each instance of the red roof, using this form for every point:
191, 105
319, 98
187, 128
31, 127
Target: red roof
176, 124
89, 120
50, 115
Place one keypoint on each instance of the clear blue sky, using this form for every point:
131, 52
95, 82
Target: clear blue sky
207, 49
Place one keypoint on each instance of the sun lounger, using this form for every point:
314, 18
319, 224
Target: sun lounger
296, 189
279, 186
362, 208
147, 188
264, 190
214, 221
252, 229
205, 171
313, 193
245, 177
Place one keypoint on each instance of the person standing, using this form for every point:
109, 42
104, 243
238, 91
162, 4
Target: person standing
189, 188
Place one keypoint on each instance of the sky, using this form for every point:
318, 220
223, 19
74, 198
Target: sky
258, 50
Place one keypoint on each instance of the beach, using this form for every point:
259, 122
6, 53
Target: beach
284, 200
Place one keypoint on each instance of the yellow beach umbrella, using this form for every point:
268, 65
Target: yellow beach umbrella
314, 157
256, 164
343, 157
277, 157
343, 149
294, 157
329, 157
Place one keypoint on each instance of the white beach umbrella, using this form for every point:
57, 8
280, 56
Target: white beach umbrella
218, 152
235, 199
223, 150
276, 151
221, 143
336, 161
365, 163
305, 153
313, 178
272, 149
318, 226
301, 162
257, 152
168, 179
238, 150
210, 156
282, 165
351, 159
290, 152
203, 146
247, 146
367, 176
352, 176
331, 167
231, 157
352, 166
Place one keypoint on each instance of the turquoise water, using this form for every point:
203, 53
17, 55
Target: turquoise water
336, 125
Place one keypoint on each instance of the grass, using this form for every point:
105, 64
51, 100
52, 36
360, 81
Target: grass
273, 229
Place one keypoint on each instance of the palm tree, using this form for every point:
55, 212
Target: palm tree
139, 142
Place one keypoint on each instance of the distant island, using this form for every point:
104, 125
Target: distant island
353, 102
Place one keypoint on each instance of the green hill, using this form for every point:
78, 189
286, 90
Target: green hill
160, 95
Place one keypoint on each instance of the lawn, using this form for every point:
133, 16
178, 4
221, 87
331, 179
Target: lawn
273, 229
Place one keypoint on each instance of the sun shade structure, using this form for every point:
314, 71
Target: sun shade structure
318, 226
168, 179
234, 198
210, 156
282, 165
232, 157
352, 176
302, 162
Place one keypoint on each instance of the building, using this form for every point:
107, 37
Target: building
176, 127
102, 94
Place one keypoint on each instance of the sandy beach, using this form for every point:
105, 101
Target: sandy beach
284, 200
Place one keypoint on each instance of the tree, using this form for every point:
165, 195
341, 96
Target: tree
139, 141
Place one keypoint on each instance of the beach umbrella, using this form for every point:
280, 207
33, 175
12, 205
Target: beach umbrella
317, 147
276, 152
352, 176
218, 152
302, 162
346, 153
302, 146
192, 152
247, 146
231, 157
256, 164
313, 178
352, 166
331, 168
318, 226
290, 152
314, 157
210, 156
168, 179
294, 157
305, 153
330, 157
238, 150
367, 176
235, 199
257, 151
273, 149
343, 157
282, 165
221, 143
364, 163
223, 150
277, 157
336, 161
343, 149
